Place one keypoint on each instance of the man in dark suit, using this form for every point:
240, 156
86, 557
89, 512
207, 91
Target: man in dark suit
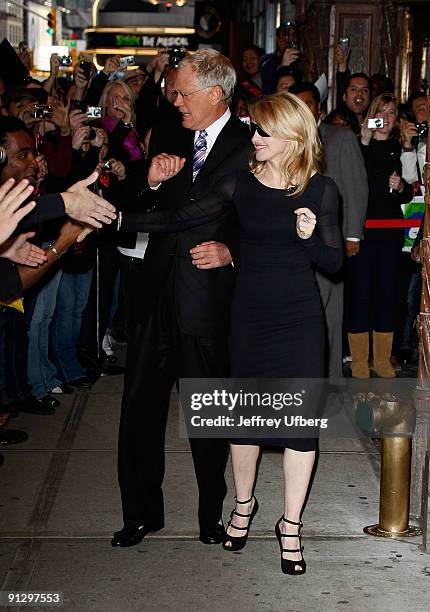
182, 305
343, 163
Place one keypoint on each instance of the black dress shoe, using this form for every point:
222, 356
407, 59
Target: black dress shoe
84, 382
130, 535
12, 436
111, 370
212, 535
41, 406
49, 401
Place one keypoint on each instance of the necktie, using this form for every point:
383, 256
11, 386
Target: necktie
200, 147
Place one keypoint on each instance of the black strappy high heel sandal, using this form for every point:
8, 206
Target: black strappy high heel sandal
237, 543
289, 566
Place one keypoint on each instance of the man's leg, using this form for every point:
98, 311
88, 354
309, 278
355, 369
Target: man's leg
149, 377
207, 358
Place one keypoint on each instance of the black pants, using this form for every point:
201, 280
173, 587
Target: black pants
372, 280
158, 354
14, 344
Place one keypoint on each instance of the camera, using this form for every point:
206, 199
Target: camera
422, 129
107, 166
293, 44
66, 60
176, 54
86, 67
376, 123
78, 105
344, 43
42, 111
128, 60
94, 112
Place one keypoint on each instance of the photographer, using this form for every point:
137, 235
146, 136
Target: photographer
287, 53
414, 138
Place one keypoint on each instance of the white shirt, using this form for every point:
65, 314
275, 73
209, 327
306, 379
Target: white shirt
213, 131
139, 249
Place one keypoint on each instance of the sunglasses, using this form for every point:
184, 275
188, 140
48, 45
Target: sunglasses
256, 128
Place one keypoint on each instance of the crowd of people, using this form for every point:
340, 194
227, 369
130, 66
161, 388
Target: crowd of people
267, 247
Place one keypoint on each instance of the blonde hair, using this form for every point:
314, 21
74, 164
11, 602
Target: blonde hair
381, 100
104, 98
286, 116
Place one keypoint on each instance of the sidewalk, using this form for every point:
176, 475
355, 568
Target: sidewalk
60, 504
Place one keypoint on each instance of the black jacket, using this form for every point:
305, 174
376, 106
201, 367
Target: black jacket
202, 297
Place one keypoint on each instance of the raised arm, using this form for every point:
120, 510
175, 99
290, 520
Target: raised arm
190, 212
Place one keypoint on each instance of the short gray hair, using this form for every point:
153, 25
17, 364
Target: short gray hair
213, 68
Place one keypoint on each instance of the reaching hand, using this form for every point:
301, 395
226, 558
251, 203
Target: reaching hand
77, 119
112, 64
341, 57
366, 133
11, 198
163, 167
20, 251
305, 223
55, 64
85, 206
211, 254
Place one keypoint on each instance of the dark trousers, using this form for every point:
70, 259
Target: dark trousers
372, 280
14, 348
158, 354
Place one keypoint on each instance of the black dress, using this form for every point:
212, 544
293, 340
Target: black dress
277, 323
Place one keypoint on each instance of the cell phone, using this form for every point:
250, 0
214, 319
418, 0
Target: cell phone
293, 45
128, 60
43, 111
344, 43
86, 67
94, 112
66, 60
376, 123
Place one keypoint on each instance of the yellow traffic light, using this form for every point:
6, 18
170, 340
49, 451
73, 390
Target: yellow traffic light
52, 22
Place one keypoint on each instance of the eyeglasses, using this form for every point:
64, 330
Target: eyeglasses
176, 92
256, 128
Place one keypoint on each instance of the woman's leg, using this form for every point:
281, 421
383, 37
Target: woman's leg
298, 467
244, 463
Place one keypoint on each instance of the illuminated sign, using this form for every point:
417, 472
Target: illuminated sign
102, 38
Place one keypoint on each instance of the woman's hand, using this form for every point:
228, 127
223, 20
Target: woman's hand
54, 64
80, 136
118, 169
395, 183
305, 223
366, 133
163, 167
124, 108
20, 251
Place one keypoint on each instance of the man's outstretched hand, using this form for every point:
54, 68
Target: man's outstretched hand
87, 207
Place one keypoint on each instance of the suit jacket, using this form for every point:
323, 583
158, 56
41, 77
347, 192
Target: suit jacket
343, 162
202, 298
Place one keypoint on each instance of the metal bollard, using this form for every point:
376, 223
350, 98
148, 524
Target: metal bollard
394, 421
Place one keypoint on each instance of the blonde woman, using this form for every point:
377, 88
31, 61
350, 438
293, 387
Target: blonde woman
118, 119
288, 224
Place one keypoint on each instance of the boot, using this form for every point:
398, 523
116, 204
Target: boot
382, 343
359, 346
